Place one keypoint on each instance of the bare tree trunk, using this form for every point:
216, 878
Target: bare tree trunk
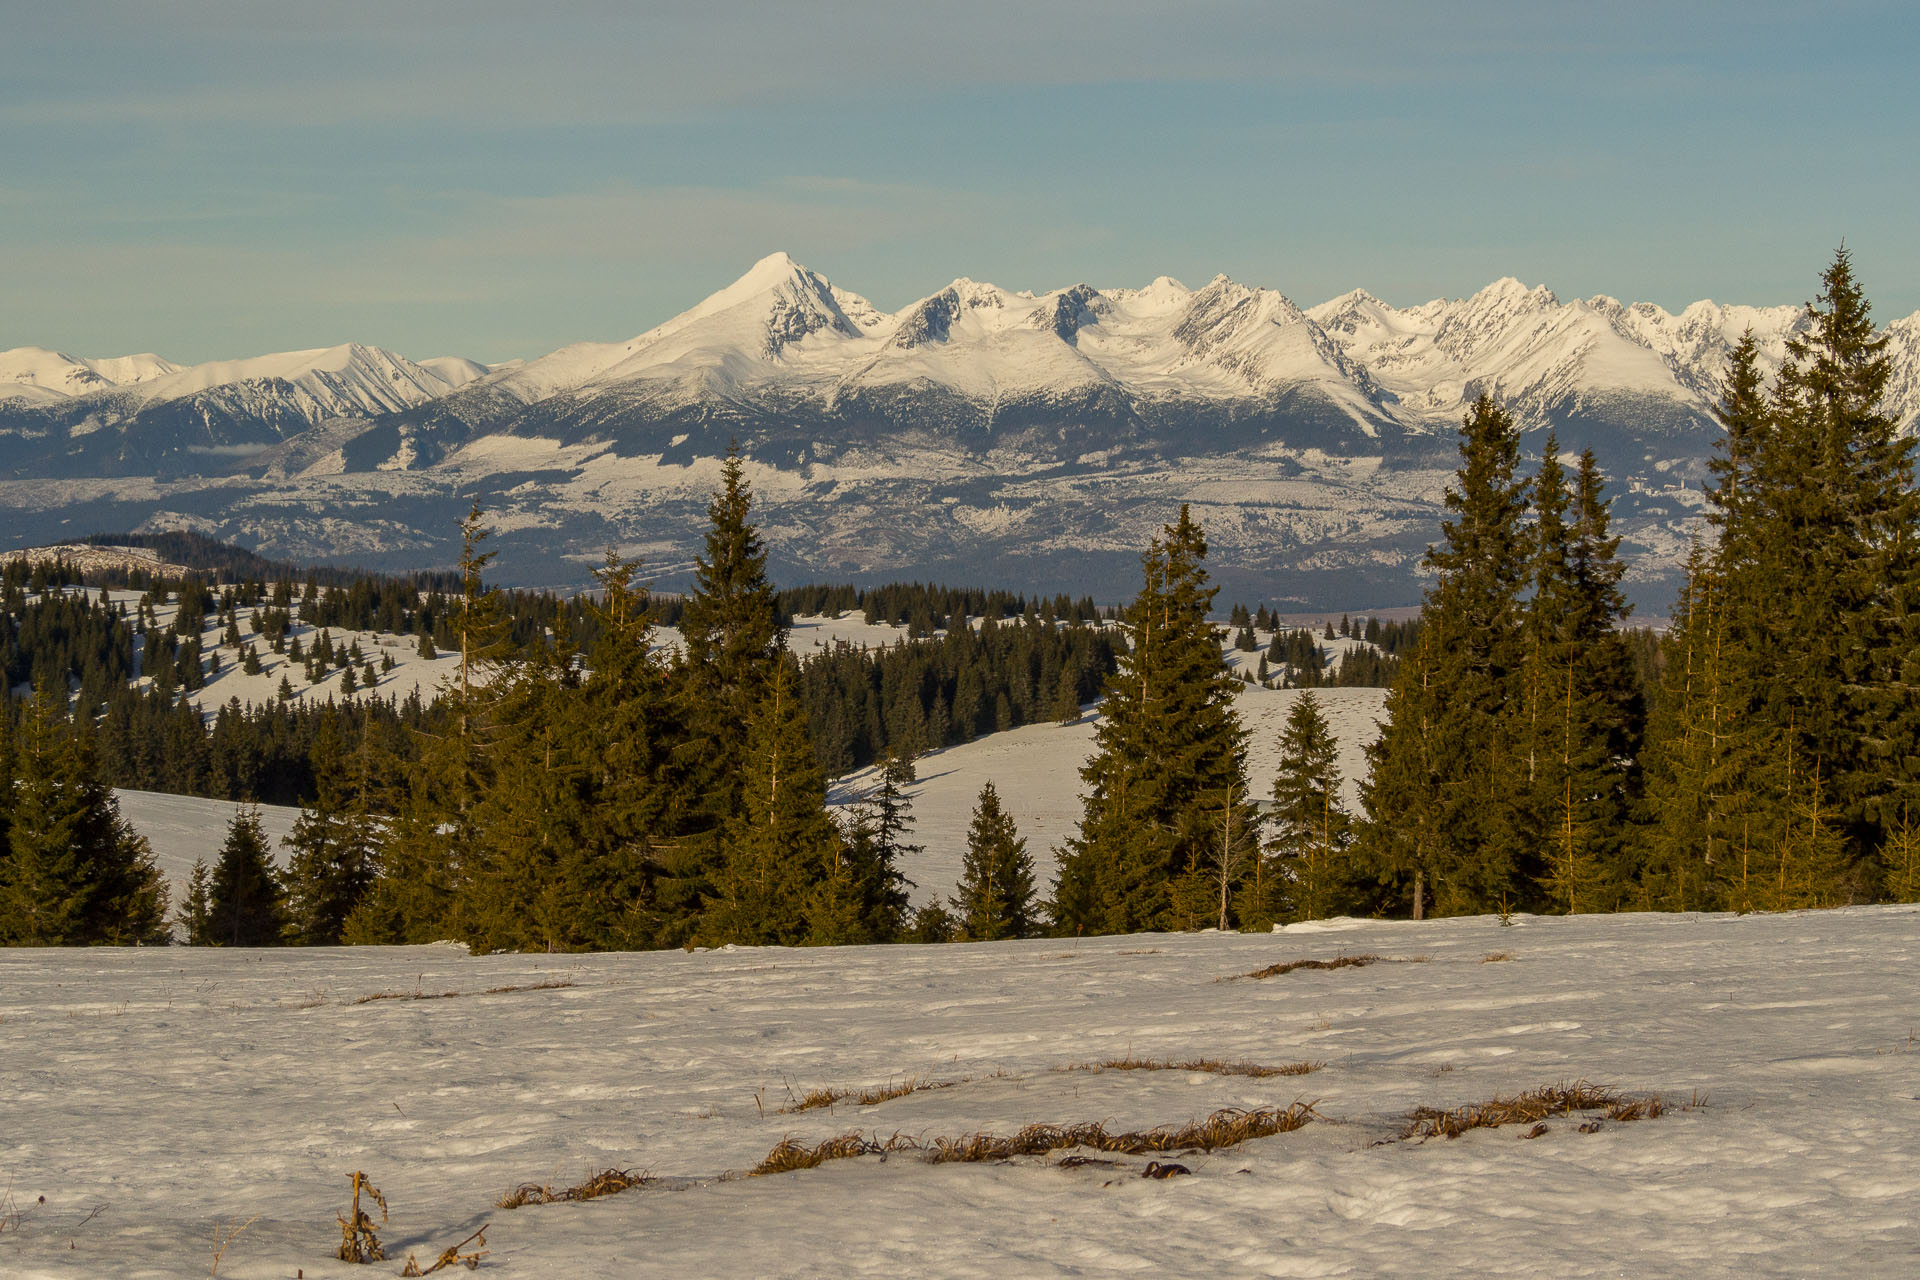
1419, 895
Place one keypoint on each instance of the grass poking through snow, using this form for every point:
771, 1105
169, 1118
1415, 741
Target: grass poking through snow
1531, 1107
418, 994
1223, 1128
864, 1097
1290, 966
605, 1183
1212, 1066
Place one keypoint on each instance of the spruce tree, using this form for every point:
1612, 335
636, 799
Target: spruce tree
734, 635
196, 913
782, 877
1581, 712
1169, 761
1816, 580
1311, 876
332, 846
431, 841
644, 880
74, 872
246, 904
995, 897
527, 875
1445, 776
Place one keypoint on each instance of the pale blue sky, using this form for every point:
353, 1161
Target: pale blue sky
214, 178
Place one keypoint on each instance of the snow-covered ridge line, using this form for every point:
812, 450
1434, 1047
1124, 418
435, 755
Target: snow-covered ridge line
783, 326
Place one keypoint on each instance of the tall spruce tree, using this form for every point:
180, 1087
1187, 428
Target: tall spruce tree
1312, 873
783, 878
644, 878
332, 847
431, 836
1580, 702
1816, 571
1445, 771
995, 897
1169, 762
732, 623
73, 871
529, 872
246, 906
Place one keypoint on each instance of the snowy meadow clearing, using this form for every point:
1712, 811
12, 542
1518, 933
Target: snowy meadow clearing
158, 1101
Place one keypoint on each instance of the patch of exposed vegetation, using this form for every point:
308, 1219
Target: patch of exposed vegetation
605, 1183
1223, 1128
1211, 1066
1530, 1108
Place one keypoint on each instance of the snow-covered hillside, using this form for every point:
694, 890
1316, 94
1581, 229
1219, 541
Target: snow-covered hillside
1036, 771
185, 829
162, 1102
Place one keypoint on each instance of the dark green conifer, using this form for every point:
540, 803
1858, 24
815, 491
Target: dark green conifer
735, 635
196, 913
246, 904
1580, 709
1444, 774
72, 871
332, 846
779, 853
995, 898
1169, 762
1311, 876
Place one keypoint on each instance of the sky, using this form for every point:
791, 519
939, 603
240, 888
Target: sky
219, 178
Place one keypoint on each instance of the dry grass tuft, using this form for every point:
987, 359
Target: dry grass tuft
790, 1155
605, 1183
1495, 957
864, 1097
452, 1254
1224, 1128
418, 994
1212, 1066
1338, 962
415, 994
358, 1243
1530, 1107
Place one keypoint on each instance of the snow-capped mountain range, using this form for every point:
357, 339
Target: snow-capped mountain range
978, 432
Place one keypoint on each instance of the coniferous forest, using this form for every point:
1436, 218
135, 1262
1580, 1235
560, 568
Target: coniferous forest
578, 785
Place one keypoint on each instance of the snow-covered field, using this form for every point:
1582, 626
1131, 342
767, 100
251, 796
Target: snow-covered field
158, 1099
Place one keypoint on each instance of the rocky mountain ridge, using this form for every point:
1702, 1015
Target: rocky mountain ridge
978, 432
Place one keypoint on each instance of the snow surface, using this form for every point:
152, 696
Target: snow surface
156, 1099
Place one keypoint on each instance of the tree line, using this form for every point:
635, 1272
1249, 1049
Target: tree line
1534, 756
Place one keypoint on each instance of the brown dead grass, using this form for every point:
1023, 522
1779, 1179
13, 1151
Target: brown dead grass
1290, 966
1212, 1066
418, 994
415, 994
358, 1243
1529, 1108
1495, 957
1223, 1128
605, 1183
864, 1097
